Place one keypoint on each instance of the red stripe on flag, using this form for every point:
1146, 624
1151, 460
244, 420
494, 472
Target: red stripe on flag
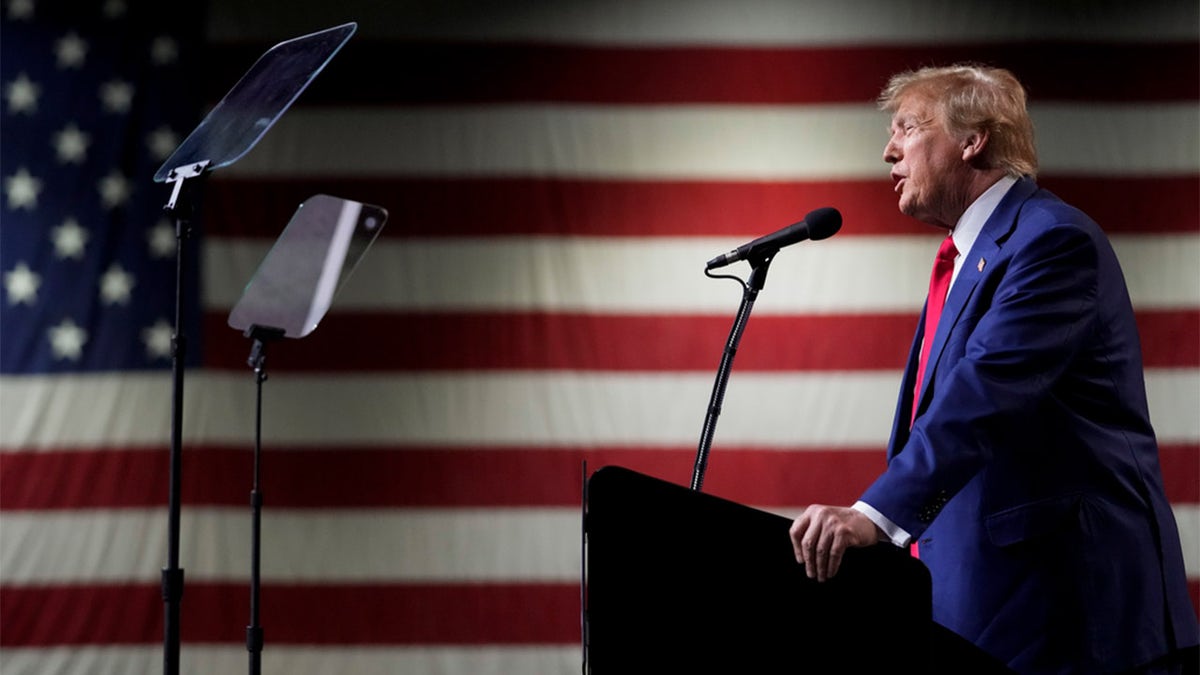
350, 477
505, 341
413, 477
658, 343
1170, 339
433, 207
378, 614
1181, 471
396, 614
424, 72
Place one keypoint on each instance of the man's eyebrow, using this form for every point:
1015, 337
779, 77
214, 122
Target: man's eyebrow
917, 121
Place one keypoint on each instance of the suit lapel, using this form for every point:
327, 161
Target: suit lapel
900, 422
986, 248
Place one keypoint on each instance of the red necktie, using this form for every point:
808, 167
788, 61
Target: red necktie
939, 285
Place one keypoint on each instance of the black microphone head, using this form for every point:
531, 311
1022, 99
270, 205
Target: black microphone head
823, 223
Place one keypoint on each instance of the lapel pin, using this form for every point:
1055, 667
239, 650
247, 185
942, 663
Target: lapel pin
980, 265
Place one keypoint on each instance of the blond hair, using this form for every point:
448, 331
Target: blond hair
974, 97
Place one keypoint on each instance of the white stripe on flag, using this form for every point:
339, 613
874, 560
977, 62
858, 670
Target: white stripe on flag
687, 141
298, 546
330, 547
841, 409
666, 275
764, 23
1187, 518
201, 659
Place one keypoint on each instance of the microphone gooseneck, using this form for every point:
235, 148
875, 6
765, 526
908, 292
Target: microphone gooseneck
819, 224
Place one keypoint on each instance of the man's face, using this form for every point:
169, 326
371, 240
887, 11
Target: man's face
928, 166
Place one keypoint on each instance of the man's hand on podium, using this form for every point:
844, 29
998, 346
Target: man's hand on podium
821, 535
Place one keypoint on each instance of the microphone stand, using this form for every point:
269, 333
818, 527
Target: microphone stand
257, 360
750, 289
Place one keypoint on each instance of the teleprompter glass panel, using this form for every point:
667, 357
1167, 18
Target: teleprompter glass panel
296, 282
257, 101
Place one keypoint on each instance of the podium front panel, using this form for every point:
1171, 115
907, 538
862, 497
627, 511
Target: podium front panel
685, 582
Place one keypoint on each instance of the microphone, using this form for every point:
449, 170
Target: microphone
818, 224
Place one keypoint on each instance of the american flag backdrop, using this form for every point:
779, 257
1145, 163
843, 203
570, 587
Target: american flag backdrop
557, 174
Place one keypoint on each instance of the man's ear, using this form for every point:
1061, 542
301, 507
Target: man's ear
974, 144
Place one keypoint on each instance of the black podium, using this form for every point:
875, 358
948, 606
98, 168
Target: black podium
678, 581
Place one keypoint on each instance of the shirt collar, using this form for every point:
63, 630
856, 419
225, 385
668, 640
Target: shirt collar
971, 223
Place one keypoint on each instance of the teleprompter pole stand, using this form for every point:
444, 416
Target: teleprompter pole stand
750, 289
180, 207
261, 335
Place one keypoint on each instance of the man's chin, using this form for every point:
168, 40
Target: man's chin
916, 213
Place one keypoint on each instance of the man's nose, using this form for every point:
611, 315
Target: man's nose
891, 152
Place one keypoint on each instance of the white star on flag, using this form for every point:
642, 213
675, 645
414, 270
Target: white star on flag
22, 189
164, 50
116, 285
115, 8
71, 51
22, 94
161, 239
117, 96
162, 142
22, 285
67, 340
71, 144
69, 240
20, 9
157, 339
114, 189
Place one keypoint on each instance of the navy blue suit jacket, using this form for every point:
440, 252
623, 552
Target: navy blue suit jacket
1031, 477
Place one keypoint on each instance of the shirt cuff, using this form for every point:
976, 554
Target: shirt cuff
892, 531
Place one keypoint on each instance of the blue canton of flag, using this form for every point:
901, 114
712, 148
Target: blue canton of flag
95, 96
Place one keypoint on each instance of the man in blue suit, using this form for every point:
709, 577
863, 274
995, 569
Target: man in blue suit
1022, 462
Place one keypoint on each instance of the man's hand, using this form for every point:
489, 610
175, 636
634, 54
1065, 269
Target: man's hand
821, 535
